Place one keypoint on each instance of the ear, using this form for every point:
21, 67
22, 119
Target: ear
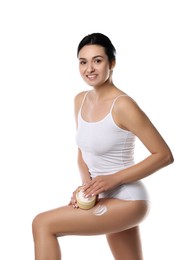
112, 64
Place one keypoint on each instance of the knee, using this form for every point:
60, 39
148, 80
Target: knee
38, 225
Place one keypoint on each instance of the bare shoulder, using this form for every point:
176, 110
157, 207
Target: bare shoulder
79, 98
126, 103
128, 113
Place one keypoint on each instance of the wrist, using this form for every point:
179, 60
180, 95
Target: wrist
84, 182
119, 178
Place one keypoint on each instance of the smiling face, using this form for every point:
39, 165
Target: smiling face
94, 65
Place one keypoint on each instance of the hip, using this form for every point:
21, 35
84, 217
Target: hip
130, 191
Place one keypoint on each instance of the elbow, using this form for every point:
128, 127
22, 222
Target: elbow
168, 158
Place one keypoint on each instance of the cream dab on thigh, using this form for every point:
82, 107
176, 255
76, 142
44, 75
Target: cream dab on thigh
100, 210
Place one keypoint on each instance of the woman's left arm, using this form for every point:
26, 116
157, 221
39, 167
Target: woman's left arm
128, 115
135, 120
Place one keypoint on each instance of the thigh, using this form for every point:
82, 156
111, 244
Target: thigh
126, 245
109, 215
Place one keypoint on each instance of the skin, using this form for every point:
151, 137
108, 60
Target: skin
123, 233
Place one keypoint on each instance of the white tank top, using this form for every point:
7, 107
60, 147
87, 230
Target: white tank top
105, 147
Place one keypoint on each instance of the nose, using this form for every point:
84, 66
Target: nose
90, 67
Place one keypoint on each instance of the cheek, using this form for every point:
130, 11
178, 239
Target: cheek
106, 74
106, 71
81, 71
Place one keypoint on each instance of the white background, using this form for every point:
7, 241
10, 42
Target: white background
39, 78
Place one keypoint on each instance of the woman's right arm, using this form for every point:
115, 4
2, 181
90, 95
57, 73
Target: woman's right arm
83, 169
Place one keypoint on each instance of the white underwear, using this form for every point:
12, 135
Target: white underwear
131, 191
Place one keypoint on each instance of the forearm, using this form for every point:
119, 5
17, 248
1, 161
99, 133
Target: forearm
83, 169
144, 168
84, 173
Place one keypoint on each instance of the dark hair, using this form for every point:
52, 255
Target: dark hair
99, 39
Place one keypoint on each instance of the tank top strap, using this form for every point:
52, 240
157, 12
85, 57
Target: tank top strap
114, 101
83, 100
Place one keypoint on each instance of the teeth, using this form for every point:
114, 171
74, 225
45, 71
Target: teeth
91, 77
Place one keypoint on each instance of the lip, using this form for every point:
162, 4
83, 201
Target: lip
92, 76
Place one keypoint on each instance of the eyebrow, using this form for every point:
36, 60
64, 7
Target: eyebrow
97, 56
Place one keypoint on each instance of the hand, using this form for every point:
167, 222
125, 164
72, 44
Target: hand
73, 200
99, 184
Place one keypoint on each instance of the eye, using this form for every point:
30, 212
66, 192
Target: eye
98, 61
82, 62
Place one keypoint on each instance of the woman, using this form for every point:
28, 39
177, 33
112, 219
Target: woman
108, 120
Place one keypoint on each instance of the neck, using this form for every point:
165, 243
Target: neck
103, 92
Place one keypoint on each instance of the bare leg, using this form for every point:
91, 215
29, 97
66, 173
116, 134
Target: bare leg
126, 245
108, 216
45, 242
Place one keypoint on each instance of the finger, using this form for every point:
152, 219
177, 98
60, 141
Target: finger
89, 184
94, 191
85, 187
88, 191
73, 205
76, 206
